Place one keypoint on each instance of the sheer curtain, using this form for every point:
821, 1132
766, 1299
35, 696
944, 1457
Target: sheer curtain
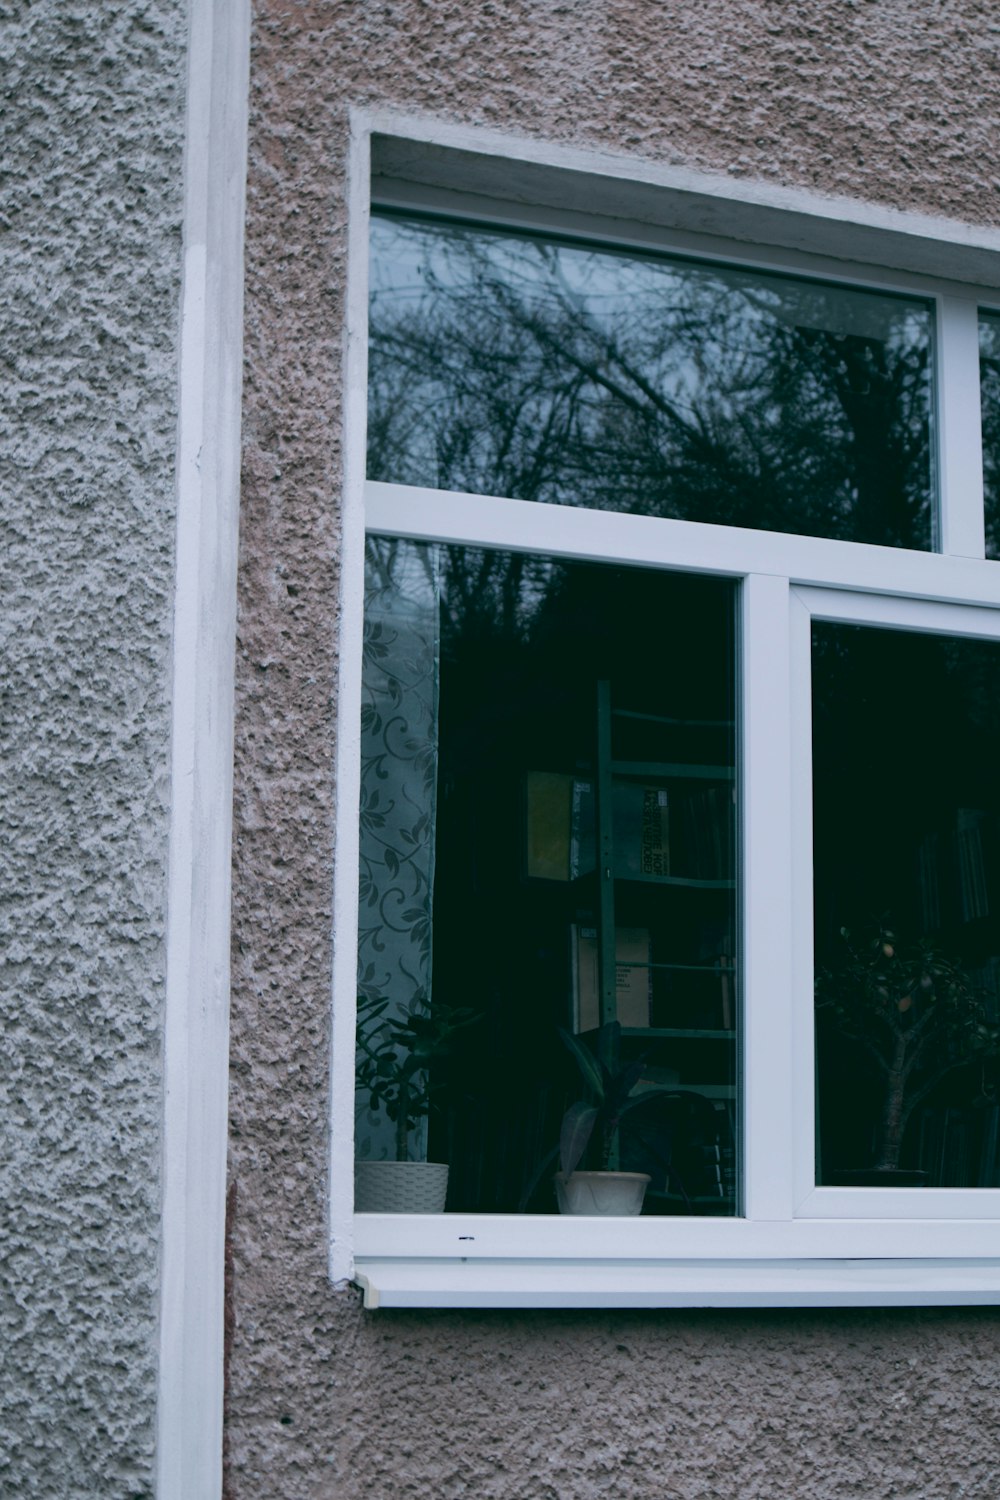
399, 743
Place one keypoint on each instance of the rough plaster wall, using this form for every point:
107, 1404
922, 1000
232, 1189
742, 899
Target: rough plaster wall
93, 126
893, 100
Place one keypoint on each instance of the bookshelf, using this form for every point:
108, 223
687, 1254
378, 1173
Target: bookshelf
663, 865
654, 916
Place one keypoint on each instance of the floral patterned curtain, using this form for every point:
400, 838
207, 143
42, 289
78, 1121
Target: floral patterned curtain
399, 736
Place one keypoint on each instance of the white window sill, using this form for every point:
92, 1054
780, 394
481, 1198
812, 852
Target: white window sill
458, 1260
729, 1283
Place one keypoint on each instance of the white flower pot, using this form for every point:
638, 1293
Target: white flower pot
400, 1187
605, 1194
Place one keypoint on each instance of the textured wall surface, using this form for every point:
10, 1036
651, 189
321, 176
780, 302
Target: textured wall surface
93, 127
893, 100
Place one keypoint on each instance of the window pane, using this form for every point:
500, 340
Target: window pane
547, 847
507, 365
989, 378
906, 744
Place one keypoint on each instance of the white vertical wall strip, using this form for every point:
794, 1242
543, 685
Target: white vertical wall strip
348, 764
196, 1028
767, 898
960, 441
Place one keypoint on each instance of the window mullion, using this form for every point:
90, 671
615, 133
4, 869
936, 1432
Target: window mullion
960, 441
768, 899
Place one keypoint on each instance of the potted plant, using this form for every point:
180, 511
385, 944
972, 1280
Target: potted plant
394, 1061
918, 1016
592, 1125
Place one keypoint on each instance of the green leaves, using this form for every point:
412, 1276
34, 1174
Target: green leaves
608, 1085
883, 986
396, 1052
574, 1137
585, 1060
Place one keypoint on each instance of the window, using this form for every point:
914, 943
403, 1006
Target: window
677, 692
547, 840
507, 364
906, 741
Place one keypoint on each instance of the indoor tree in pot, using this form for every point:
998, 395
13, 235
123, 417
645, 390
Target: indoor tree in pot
394, 1060
919, 1016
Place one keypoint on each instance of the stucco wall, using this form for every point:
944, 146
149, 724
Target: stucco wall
892, 100
93, 136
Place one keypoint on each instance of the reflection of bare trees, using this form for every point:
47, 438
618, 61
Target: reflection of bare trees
482, 595
510, 366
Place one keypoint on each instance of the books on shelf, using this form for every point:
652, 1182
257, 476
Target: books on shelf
728, 1007
703, 822
641, 822
960, 1146
659, 833
958, 869
653, 843
561, 828
632, 976
696, 1167
986, 978
725, 967
583, 834
699, 989
548, 810
973, 893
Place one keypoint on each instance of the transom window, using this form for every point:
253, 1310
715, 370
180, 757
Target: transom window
679, 838
505, 364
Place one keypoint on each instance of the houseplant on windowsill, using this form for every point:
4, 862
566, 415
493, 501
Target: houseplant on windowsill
394, 1061
918, 1015
592, 1124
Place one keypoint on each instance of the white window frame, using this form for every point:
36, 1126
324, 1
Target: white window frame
797, 1244
952, 620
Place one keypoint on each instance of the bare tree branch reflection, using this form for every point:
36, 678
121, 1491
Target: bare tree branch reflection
511, 366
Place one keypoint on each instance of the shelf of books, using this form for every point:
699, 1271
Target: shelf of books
641, 836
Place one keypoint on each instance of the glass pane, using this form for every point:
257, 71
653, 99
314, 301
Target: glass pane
906, 744
989, 378
501, 364
548, 876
